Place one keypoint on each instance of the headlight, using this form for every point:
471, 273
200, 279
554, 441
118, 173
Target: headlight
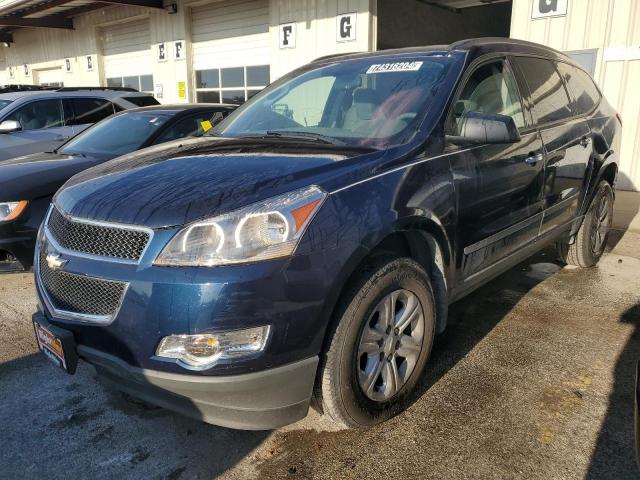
261, 231
11, 210
205, 350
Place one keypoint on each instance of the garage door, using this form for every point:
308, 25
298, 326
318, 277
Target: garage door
230, 50
127, 55
52, 77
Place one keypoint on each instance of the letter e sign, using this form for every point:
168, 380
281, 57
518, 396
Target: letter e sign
346, 27
288, 35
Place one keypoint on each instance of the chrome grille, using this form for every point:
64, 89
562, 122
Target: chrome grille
78, 294
93, 239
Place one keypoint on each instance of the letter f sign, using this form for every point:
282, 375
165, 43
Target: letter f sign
288, 35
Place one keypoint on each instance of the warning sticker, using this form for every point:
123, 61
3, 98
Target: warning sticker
395, 67
206, 125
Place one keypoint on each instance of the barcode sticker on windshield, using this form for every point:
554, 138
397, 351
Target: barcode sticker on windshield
395, 67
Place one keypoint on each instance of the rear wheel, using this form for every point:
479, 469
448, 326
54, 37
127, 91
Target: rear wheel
380, 343
591, 239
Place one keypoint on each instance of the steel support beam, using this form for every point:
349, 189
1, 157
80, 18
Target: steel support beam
43, 22
137, 3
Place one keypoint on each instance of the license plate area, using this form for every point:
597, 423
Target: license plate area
57, 344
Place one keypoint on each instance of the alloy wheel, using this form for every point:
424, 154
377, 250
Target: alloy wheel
390, 345
601, 225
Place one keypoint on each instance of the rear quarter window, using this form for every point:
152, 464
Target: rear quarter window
548, 94
585, 93
142, 100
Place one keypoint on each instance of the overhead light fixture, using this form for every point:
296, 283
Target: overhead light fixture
6, 44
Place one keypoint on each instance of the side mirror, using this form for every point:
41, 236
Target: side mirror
481, 128
9, 126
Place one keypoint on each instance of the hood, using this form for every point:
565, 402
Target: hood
183, 181
38, 175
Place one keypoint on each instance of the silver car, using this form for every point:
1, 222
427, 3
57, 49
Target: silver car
41, 121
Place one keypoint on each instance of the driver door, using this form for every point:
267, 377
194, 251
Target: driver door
499, 187
43, 128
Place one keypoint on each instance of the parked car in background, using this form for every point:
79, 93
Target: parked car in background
312, 244
34, 121
27, 183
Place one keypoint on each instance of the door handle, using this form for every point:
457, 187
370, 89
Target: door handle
585, 141
534, 158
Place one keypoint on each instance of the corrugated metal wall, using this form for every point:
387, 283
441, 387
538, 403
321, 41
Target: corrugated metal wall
316, 30
125, 47
3, 66
613, 28
230, 34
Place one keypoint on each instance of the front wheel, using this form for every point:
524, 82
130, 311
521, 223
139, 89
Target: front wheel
591, 239
379, 345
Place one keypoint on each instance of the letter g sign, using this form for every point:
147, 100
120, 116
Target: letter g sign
346, 27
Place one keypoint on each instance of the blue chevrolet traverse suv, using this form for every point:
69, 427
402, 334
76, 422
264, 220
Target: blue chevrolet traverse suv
310, 245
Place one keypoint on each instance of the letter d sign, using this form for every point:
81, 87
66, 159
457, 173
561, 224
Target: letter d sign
346, 27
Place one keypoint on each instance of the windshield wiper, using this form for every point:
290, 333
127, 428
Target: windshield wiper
306, 136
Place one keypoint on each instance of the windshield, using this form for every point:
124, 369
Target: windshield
365, 102
4, 103
117, 135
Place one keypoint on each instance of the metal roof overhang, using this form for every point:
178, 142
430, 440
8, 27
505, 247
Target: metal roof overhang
457, 5
53, 13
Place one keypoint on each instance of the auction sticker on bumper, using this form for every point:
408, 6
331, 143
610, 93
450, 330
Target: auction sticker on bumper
50, 345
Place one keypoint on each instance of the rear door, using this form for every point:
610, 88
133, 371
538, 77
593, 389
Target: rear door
566, 137
499, 186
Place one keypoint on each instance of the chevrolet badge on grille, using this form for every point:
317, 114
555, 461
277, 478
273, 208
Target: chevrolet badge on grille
55, 262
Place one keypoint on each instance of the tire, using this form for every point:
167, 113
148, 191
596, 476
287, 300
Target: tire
591, 239
349, 390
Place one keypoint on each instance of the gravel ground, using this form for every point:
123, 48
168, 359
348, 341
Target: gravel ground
532, 379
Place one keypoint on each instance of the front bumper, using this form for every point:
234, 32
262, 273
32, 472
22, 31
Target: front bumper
286, 294
253, 401
260, 400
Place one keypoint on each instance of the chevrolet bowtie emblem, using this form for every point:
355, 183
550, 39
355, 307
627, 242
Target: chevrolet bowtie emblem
55, 262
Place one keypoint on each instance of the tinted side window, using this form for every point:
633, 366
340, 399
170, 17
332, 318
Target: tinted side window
142, 101
90, 110
581, 85
548, 95
491, 88
39, 114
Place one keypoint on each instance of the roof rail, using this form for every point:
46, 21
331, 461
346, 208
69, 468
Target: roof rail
23, 88
114, 89
334, 55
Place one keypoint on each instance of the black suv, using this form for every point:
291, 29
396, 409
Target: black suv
312, 243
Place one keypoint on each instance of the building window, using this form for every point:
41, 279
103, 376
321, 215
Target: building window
142, 83
230, 85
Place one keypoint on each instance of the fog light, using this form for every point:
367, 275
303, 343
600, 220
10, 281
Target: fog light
205, 350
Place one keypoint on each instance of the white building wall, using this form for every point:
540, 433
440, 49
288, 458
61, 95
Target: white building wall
3, 68
316, 30
613, 28
45, 50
